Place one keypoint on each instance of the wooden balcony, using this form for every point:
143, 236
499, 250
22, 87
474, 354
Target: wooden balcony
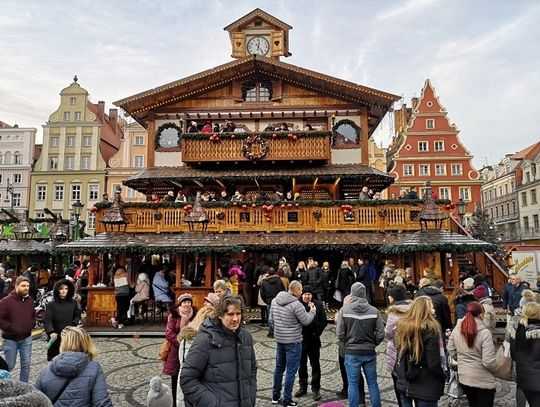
283, 217
297, 146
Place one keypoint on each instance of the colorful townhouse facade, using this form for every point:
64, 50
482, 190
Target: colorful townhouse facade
427, 147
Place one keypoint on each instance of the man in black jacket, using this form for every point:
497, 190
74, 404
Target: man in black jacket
311, 346
363, 276
440, 302
270, 287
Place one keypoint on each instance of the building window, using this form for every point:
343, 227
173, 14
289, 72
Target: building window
17, 178
41, 192
507, 208
528, 177
75, 192
526, 222
423, 146
423, 169
131, 193
115, 188
58, 192
85, 162
17, 158
78, 116
533, 196
444, 193
430, 123
439, 146
54, 142
257, 91
1, 158
408, 169
53, 163
457, 169
66, 116
40, 215
72, 101
536, 225
524, 199
497, 211
139, 161
513, 207
465, 193
91, 220
87, 141
16, 199
70, 141
93, 192
440, 169
139, 140
70, 162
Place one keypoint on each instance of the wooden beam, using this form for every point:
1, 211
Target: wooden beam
150, 152
364, 136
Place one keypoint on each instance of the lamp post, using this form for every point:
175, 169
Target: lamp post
462, 209
9, 190
77, 207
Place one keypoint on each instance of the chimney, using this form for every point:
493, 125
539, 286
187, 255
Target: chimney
113, 119
101, 110
414, 102
401, 119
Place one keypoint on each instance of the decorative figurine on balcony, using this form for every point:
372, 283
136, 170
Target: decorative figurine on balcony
193, 128
237, 197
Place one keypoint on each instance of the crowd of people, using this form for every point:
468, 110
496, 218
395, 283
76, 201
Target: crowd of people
210, 356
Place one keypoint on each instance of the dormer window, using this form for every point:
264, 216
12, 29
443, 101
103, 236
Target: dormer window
257, 91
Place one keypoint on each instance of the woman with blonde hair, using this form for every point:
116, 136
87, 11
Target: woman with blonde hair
74, 378
471, 345
525, 350
420, 357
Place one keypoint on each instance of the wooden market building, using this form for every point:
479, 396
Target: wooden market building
320, 155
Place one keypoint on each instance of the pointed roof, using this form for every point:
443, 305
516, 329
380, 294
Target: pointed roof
5, 125
115, 215
431, 213
257, 13
139, 105
60, 230
526, 152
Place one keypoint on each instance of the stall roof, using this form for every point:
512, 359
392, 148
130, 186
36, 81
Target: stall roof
24, 247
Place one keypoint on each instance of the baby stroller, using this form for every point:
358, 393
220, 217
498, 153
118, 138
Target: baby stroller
43, 298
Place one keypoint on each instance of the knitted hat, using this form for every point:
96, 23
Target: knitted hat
480, 292
18, 394
159, 394
325, 265
307, 289
185, 297
358, 290
397, 292
212, 299
468, 284
398, 280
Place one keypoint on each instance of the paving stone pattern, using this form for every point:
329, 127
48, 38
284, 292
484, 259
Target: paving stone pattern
129, 364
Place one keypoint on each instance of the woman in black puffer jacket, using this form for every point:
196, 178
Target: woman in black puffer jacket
220, 368
525, 350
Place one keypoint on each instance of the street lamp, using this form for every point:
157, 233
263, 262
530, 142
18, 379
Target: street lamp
77, 207
462, 209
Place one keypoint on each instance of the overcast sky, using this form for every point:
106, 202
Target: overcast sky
483, 57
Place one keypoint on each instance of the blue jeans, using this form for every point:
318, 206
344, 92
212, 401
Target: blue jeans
287, 357
354, 365
24, 348
270, 326
408, 402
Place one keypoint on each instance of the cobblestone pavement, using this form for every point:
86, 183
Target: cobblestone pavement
129, 363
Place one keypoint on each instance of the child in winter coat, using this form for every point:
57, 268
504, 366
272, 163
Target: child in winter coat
159, 394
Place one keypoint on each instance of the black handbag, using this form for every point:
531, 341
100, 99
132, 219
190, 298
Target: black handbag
64, 387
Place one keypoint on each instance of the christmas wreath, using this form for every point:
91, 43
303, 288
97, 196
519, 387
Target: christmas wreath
255, 147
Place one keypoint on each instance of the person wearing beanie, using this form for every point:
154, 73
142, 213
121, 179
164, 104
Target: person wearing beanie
178, 318
468, 284
490, 317
19, 394
360, 329
159, 394
311, 346
399, 305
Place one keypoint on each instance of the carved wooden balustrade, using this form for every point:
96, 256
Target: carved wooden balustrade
281, 217
266, 146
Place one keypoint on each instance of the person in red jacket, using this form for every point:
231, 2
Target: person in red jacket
17, 318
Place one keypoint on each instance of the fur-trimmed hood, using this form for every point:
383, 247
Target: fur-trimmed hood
70, 286
400, 307
18, 394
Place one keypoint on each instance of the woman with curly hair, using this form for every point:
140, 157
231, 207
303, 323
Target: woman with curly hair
471, 345
420, 356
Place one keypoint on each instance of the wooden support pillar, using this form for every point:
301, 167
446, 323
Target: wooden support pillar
364, 136
151, 140
178, 269
208, 271
94, 259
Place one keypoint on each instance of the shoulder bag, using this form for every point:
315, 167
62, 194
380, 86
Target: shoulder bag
504, 360
164, 350
64, 387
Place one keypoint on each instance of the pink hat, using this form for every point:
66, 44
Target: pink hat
185, 297
480, 292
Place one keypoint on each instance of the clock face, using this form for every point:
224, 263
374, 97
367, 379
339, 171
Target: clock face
168, 137
258, 46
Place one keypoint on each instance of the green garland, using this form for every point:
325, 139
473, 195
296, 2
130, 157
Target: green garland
279, 135
350, 123
397, 248
163, 127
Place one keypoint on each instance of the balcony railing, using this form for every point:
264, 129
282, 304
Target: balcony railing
279, 146
281, 217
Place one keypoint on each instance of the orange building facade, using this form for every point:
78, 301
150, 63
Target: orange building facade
427, 147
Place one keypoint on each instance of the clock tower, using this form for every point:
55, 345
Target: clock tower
259, 33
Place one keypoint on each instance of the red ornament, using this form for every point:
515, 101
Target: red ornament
297, 205
289, 205
270, 207
274, 135
94, 209
453, 205
253, 205
282, 206
235, 203
244, 206
447, 206
233, 136
295, 137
